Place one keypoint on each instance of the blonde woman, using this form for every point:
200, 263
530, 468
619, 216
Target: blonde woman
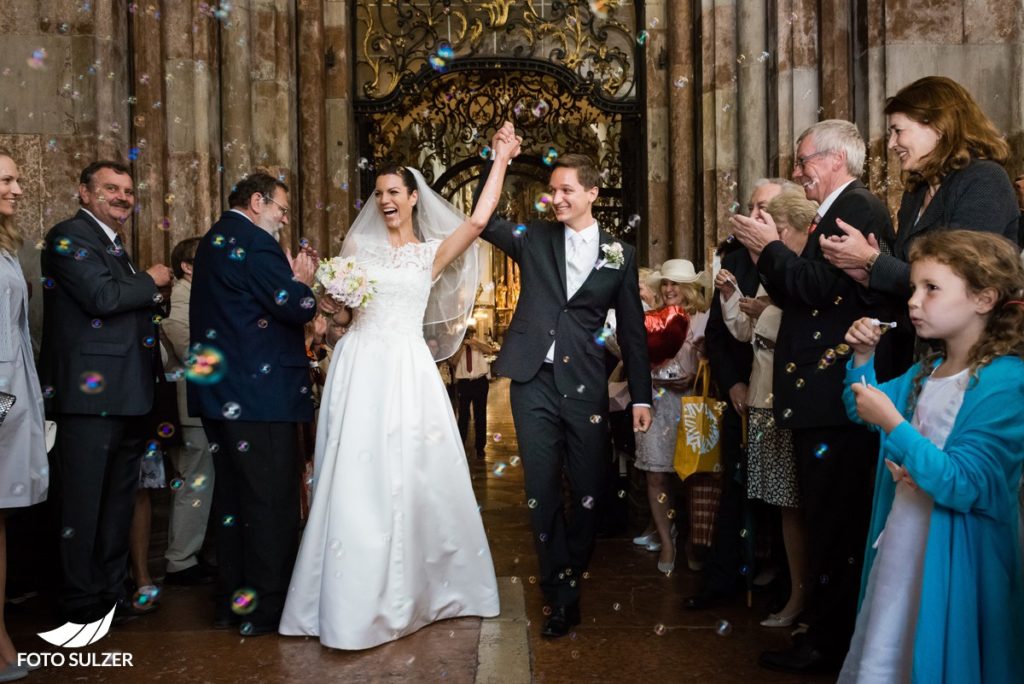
23, 468
771, 466
681, 286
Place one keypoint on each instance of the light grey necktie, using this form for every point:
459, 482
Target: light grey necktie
575, 271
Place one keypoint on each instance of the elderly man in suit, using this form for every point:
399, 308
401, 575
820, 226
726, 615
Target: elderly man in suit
835, 458
98, 362
249, 382
572, 274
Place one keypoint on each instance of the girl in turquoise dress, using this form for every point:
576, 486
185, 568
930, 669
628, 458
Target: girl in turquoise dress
942, 597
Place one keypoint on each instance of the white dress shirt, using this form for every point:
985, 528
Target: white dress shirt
581, 250
827, 204
109, 232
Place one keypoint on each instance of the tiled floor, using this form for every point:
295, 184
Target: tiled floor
633, 626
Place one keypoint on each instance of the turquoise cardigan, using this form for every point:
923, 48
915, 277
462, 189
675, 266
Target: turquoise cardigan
970, 627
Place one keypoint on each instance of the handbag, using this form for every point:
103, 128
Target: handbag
698, 444
6, 403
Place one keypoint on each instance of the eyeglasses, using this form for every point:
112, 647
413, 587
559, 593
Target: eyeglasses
284, 209
802, 161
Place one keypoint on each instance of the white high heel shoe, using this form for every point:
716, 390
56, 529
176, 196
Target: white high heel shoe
667, 568
646, 539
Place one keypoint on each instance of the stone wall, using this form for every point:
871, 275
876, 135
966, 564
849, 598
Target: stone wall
198, 97
745, 78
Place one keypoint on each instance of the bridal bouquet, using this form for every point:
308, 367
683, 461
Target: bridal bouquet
345, 281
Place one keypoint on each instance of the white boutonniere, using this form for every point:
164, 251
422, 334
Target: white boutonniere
613, 256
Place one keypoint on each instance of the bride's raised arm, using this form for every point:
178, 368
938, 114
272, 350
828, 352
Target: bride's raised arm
506, 148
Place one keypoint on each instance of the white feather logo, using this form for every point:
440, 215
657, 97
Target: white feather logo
74, 635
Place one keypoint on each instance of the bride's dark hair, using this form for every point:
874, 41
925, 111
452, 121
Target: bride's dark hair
396, 169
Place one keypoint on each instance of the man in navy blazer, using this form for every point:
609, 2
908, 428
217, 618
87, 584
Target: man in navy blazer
98, 362
249, 382
572, 273
835, 466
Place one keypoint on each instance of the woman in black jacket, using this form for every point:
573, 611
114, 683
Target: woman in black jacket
951, 156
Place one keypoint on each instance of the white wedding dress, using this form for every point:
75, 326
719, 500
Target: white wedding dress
394, 539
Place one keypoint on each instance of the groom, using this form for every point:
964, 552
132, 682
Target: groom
572, 274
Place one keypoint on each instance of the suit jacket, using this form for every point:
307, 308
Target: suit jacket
97, 318
246, 305
731, 360
819, 302
545, 313
977, 197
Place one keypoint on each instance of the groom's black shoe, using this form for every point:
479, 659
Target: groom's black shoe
801, 658
561, 620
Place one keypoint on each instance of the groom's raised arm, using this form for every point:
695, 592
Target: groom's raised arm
499, 231
631, 334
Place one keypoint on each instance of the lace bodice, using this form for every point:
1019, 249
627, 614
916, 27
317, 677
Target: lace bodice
402, 276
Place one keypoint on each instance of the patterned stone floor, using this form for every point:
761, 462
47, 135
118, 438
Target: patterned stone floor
634, 628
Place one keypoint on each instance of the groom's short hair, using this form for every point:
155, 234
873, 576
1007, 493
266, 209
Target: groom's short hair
586, 170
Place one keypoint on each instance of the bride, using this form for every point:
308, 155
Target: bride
394, 539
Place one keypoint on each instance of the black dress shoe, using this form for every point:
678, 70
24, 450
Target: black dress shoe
802, 658
561, 620
228, 621
190, 577
250, 629
126, 611
704, 600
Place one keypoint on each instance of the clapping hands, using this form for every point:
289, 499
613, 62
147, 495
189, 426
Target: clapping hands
303, 265
754, 234
849, 251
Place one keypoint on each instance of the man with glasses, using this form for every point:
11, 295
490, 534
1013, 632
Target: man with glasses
835, 462
249, 382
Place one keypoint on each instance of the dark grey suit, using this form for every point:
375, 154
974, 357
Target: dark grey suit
560, 409
99, 357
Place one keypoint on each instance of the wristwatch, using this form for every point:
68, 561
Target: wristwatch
869, 264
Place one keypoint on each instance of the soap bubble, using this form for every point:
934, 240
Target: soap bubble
723, 628
91, 382
205, 365
231, 410
146, 596
244, 601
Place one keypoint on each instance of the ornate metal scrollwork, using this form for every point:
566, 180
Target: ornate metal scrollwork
443, 126
595, 41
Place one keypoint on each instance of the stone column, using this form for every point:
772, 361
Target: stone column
149, 108
752, 114
718, 124
339, 132
682, 156
797, 96
236, 95
662, 230
312, 201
